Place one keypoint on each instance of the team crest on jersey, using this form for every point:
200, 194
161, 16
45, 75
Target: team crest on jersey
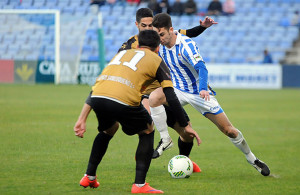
197, 57
180, 57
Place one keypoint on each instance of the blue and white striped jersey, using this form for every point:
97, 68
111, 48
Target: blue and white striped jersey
181, 60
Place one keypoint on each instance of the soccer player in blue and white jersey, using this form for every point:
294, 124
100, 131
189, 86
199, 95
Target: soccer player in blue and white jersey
189, 76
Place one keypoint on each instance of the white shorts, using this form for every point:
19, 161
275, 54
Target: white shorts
212, 106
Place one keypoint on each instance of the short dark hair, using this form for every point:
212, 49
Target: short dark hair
162, 20
143, 13
149, 38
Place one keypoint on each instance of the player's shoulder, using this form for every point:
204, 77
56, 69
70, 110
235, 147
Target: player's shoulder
133, 38
185, 38
187, 42
131, 43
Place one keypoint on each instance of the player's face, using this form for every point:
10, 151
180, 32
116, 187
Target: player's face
145, 24
165, 35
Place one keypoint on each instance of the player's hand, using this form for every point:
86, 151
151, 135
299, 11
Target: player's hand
207, 22
205, 95
192, 133
80, 128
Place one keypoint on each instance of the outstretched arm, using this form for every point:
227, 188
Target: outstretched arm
197, 30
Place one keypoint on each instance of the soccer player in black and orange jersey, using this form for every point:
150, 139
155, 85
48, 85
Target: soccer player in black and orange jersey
115, 98
144, 17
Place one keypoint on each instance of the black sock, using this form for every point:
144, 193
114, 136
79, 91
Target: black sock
98, 150
185, 147
143, 157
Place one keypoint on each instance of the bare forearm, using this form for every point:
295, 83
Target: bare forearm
86, 109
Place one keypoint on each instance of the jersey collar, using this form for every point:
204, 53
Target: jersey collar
178, 38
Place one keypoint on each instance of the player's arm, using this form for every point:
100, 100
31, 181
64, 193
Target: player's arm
203, 77
80, 125
197, 62
197, 30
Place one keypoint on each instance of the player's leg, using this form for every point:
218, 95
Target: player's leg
213, 111
107, 127
137, 120
237, 138
143, 159
156, 100
143, 156
99, 148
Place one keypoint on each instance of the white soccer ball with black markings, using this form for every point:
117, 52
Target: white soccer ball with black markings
180, 166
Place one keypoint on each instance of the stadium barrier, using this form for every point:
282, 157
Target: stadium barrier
238, 76
245, 76
30, 72
291, 76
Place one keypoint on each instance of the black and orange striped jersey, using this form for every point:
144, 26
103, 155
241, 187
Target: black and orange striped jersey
129, 73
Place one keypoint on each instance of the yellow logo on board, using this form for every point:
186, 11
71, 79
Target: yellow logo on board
24, 72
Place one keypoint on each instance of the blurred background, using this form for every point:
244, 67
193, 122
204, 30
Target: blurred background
68, 41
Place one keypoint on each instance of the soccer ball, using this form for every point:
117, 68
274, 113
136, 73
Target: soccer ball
180, 166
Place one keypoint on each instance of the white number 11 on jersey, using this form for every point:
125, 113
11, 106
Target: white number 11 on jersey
132, 63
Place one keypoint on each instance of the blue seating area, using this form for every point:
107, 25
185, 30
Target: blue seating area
241, 38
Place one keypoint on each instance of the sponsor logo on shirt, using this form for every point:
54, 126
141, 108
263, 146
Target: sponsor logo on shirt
197, 57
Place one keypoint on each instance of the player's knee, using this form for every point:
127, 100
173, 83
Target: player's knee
230, 131
154, 101
112, 130
149, 130
156, 98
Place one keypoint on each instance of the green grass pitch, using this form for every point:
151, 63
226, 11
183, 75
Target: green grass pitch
41, 155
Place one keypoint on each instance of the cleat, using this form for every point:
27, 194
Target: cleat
86, 182
162, 146
261, 167
196, 168
146, 189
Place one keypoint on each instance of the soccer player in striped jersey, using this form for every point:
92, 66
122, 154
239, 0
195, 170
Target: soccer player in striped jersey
189, 77
116, 99
144, 17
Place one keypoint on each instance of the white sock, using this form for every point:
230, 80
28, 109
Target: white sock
140, 185
159, 118
241, 144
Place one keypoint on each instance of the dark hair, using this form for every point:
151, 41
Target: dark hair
143, 13
149, 38
162, 20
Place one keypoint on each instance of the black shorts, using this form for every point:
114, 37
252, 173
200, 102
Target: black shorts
133, 119
171, 118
